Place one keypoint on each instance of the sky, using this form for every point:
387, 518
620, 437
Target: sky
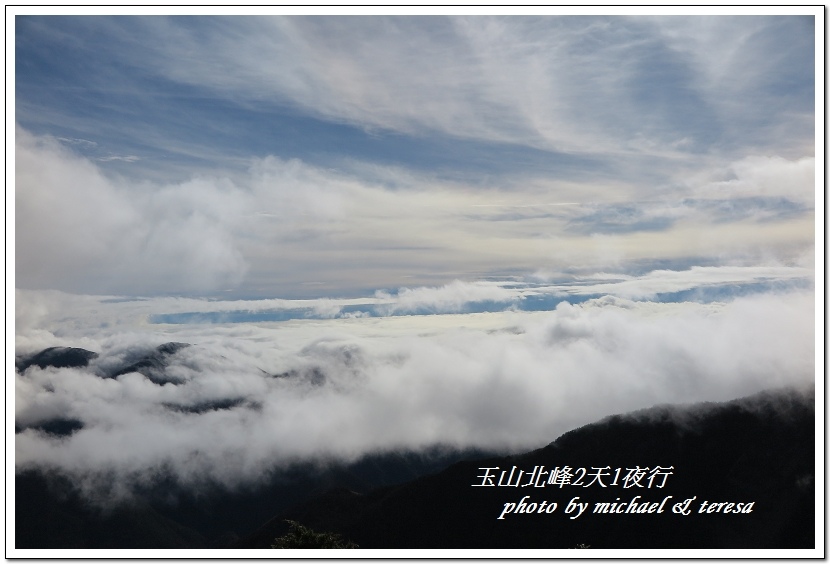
482, 230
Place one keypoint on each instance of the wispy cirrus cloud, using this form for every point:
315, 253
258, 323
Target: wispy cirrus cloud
125, 158
623, 95
559, 143
509, 79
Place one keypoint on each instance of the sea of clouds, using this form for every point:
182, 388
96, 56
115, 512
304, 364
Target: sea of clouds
338, 388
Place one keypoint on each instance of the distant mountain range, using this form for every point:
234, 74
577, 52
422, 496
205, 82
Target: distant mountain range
755, 453
151, 363
58, 357
51, 513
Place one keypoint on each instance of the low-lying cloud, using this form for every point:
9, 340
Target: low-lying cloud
69, 313
247, 399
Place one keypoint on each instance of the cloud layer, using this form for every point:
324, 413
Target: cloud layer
253, 398
75, 225
287, 228
331, 156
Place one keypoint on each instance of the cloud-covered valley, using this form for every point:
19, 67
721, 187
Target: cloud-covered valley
246, 399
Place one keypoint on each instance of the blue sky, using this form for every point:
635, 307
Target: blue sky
484, 231
339, 155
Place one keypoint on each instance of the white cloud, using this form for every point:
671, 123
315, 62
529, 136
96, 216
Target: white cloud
572, 84
43, 316
764, 176
77, 229
81, 231
125, 158
745, 68
510, 380
287, 228
450, 298
669, 281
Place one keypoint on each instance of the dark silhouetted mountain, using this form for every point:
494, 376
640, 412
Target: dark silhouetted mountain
153, 363
216, 405
171, 347
759, 449
57, 357
51, 513
58, 427
314, 375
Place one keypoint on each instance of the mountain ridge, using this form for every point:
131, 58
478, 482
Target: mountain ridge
758, 450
